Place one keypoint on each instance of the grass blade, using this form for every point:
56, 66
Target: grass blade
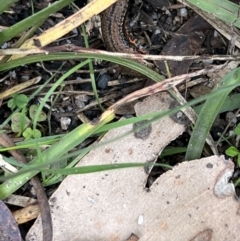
6, 4
208, 114
224, 10
20, 27
67, 143
72, 55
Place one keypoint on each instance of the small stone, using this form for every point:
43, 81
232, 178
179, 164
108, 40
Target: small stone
103, 81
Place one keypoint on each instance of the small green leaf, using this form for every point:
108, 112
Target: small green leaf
238, 160
28, 133
11, 104
37, 133
237, 129
32, 113
232, 151
20, 100
16, 122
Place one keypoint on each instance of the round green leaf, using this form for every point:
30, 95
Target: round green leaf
16, 118
28, 133
20, 100
32, 113
37, 133
232, 151
11, 104
237, 130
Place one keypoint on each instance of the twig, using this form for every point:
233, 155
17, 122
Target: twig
163, 85
75, 49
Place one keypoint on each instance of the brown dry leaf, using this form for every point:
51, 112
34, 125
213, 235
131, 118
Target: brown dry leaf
112, 205
8, 227
199, 91
187, 41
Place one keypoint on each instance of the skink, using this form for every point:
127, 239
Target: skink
114, 32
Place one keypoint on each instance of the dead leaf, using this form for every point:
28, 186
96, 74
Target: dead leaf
188, 41
199, 91
8, 226
112, 205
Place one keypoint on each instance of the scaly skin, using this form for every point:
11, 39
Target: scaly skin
114, 33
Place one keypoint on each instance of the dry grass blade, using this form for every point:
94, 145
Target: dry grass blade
19, 87
93, 8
